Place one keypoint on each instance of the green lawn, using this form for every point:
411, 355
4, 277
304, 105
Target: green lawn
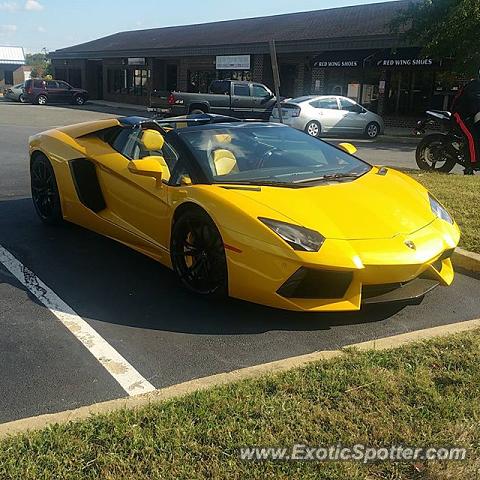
461, 195
423, 394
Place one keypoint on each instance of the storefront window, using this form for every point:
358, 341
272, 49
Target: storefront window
240, 75
140, 80
409, 91
127, 81
8, 77
199, 80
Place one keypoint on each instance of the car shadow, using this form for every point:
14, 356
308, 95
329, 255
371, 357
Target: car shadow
88, 107
105, 281
110, 109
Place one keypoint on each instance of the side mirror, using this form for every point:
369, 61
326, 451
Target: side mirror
147, 168
348, 147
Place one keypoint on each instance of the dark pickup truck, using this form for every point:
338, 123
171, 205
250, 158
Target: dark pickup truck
226, 97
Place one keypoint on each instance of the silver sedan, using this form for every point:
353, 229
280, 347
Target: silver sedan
329, 114
15, 93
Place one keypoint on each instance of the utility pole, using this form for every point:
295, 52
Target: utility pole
276, 77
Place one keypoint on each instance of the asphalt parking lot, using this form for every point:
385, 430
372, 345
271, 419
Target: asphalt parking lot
135, 304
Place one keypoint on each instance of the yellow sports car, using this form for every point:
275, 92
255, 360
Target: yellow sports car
257, 211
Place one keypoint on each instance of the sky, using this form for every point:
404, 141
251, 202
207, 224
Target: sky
52, 24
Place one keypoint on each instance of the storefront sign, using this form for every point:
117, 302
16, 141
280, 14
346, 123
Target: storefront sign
406, 62
337, 64
136, 61
233, 62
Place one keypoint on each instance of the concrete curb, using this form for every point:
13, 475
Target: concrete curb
119, 106
467, 262
175, 391
407, 140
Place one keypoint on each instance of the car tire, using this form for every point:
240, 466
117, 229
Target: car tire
422, 155
45, 194
41, 100
372, 130
314, 129
21, 98
204, 271
79, 100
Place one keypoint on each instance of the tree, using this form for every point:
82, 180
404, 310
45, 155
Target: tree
41, 66
446, 29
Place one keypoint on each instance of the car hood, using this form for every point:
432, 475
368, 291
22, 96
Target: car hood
371, 207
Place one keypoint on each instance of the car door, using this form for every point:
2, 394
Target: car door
260, 100
353, 118
137, 203
53, 92
327, 113
65, 92
241, 100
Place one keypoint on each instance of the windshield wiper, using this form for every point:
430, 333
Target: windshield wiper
328, 177
262, 183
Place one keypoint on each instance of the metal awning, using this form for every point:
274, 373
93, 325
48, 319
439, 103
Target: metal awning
343, 59
12, 56
411, 57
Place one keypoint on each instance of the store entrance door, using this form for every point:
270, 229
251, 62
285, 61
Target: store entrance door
171, 77
287, 80
410, 92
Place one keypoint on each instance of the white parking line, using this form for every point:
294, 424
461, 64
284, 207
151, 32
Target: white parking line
124, 373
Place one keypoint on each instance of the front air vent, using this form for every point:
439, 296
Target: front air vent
321, 284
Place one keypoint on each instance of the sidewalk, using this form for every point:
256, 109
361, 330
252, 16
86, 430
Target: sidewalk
123, 106
399, 134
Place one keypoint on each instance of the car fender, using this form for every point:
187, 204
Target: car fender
199, 104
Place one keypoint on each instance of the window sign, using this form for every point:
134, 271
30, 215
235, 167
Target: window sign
233, 62
136, 61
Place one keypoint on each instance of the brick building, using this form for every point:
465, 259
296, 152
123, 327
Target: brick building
349, 51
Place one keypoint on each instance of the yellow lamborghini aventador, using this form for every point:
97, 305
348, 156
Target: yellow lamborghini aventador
258, 211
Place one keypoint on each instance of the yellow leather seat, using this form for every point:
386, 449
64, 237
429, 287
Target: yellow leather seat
153, 141
224, 162
223, 138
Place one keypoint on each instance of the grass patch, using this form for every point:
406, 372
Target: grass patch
423, 394
461, 195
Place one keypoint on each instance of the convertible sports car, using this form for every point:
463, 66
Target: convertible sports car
257, 211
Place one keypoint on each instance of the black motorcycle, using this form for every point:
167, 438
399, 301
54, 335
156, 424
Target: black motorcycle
443, 150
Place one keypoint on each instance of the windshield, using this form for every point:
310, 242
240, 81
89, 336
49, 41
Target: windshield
269, 154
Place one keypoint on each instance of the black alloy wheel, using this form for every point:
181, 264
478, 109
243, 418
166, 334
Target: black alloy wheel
46, 198
198, 254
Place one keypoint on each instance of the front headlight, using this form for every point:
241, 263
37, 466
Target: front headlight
299, 238
439, 210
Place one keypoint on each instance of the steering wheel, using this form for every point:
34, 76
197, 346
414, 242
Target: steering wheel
267, 155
